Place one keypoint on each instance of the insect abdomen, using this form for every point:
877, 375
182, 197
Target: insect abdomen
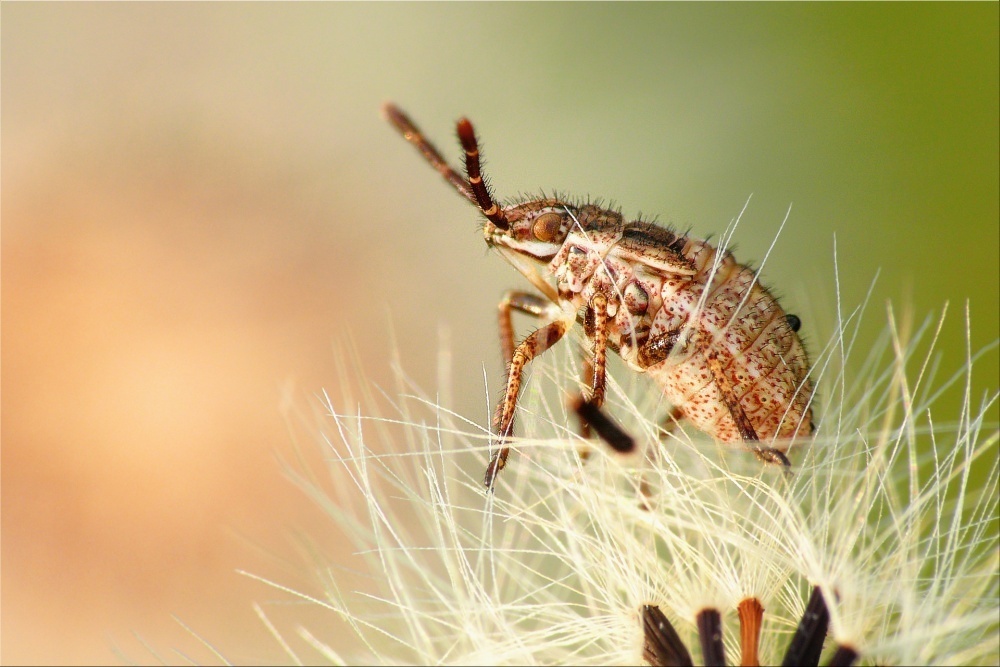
758, 352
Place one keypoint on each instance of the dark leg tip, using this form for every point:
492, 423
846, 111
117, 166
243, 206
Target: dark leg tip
492, 470
607, 430
773, 456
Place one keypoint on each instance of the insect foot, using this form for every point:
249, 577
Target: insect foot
719, 346
771, 455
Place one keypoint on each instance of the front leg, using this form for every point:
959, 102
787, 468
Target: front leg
530, 347
526, 302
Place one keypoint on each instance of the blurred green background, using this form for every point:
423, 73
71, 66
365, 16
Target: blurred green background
200, 201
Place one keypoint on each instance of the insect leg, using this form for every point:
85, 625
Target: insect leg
658, 349
586, 373
654, 351
530, 347
526, 302
610, 432
599, 306
590, 411
595, 370
746, 429
670, 421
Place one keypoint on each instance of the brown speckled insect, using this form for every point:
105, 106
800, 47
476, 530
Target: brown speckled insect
725, 354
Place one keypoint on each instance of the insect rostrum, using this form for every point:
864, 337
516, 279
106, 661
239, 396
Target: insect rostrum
722, 350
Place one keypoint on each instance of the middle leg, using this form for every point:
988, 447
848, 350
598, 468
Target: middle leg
590, 410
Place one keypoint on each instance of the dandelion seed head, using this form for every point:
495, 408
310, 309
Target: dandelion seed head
555, 564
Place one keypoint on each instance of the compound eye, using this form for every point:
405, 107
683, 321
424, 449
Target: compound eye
547, 226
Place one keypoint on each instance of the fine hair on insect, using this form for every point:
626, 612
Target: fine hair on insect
720, 348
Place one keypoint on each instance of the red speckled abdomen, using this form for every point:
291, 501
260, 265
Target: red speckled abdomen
742, 325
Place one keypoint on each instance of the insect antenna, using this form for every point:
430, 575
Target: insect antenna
493, 213
411, 133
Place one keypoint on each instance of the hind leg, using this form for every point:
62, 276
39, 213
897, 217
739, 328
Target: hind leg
746, 429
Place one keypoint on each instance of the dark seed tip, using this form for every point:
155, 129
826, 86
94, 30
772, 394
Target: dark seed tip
662, 646
709, 622
807, 643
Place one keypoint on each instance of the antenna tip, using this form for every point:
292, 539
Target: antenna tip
396, 117
388, 109
467, 135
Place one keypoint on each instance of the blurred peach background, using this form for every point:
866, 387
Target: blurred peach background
201, 205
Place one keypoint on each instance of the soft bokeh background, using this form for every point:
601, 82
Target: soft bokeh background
201, 203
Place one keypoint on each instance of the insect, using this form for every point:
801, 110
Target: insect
721, 349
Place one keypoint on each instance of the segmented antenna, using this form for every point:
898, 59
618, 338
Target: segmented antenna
484, 200
411, 133
473, 188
